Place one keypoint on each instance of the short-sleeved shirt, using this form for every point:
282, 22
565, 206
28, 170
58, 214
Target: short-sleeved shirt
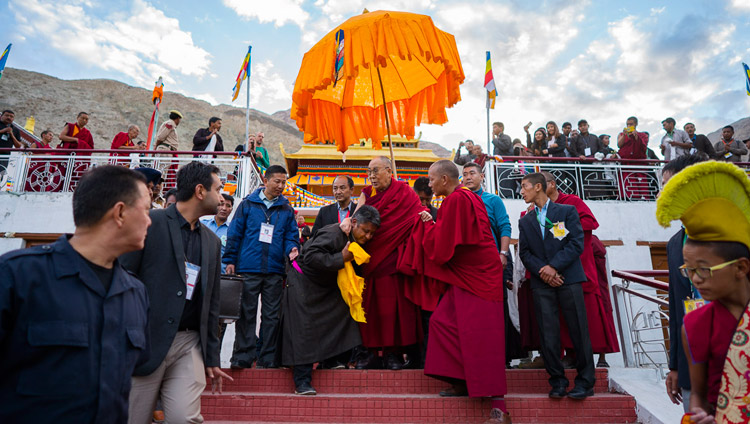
6, 141
709, 332
221, 233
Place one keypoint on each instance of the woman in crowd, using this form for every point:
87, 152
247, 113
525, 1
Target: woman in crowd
556, 142
539, 144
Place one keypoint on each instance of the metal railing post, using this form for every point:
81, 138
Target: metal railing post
626, 342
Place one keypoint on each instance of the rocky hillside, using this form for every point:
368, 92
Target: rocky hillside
113, 106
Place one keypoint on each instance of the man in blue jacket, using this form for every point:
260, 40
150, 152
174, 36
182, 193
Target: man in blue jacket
262, 235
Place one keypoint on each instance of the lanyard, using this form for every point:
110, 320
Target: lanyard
268, 217
727, 144
338, 213
549, 223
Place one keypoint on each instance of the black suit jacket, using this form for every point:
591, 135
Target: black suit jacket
328, 215
161, 267
563, 255
679, 290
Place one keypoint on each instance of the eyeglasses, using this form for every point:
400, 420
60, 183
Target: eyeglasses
704, 272
372, 171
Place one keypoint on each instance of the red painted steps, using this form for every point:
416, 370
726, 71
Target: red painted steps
375, 396
384, 382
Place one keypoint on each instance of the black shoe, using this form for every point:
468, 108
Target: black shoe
329, 364
602, 364
305, 389
239, 365
371, 362
393, 362
455, 391
558, 393
265, 366
579, 393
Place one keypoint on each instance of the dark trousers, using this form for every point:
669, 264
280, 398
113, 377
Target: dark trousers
302, 374
269, 286
548, 303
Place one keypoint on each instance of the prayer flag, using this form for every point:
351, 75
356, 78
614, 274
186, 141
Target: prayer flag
4, 58
152, 125
244, 73
747, 75
339, 62
489, 84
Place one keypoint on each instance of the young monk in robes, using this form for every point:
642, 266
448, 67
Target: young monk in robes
467, 334
712, 199
602, 341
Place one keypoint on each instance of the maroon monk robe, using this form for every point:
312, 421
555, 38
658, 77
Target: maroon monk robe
600, 256
467, 330
85, 140
392, 319
595, 310
634, 184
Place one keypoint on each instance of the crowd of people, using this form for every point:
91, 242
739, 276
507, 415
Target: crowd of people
550, 141
75, 136
122, 315
424, 269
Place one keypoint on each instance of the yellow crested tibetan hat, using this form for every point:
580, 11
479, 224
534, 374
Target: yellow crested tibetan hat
712, 199
176, 112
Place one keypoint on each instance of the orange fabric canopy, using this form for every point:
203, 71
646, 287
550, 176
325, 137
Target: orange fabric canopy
420, 70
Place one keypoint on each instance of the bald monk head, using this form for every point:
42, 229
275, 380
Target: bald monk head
380, 173
551, 185
443, 176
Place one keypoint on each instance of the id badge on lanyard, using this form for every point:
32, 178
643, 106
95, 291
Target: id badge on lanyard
266, 233
191, 277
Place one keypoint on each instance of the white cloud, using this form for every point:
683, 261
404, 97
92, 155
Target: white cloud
658, 11
143, 45
278, 11
741, 5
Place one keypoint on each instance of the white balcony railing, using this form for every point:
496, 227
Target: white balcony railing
39, 171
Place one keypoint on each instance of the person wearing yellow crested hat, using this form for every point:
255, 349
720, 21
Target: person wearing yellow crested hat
712, 200
166, 137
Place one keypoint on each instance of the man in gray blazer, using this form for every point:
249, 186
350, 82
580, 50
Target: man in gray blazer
180, 266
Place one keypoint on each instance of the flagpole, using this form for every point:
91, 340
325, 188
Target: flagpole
247, 114
488, 123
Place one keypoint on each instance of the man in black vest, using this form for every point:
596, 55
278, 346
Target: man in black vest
180, 265
343, 186
551, 243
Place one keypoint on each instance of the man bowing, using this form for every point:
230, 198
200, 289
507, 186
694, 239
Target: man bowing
467, 336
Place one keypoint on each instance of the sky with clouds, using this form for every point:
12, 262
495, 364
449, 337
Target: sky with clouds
552, 60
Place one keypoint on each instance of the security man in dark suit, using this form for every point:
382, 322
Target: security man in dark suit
343, 187
73, 322
180, 265
550, 245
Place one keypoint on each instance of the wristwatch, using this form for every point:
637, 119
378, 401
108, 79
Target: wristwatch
504, 252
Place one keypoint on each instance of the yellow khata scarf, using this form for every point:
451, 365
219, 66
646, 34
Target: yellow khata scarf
352, 285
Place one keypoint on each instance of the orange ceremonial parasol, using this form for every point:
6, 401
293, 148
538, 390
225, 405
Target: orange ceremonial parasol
394, 58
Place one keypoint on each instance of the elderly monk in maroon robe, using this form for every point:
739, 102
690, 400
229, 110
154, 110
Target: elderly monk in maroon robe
393, 321
595, 307
75, 136
466, 346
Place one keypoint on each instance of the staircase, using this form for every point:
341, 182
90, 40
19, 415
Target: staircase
407, 396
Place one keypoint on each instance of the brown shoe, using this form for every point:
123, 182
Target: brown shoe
498, 417
455, 391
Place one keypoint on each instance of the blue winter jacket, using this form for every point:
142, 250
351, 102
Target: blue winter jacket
244, 248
